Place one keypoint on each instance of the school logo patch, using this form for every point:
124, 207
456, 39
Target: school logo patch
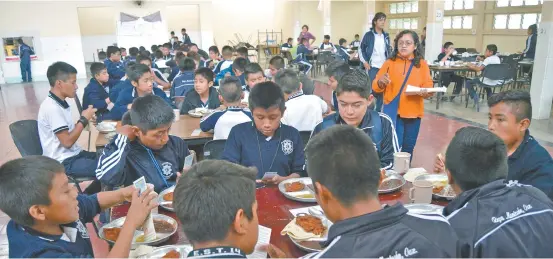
287, 146
81, 228
167, 169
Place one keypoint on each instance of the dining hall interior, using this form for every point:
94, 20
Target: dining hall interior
469, 55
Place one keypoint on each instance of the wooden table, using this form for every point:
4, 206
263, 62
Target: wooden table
440, 70
273, 212
182, 128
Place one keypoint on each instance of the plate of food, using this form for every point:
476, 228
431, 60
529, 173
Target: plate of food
441, 188
307, 231
106, 126
180, 251
199, 112
298, 189
165, 198
165, 227
419, 208
414, 173
391, 183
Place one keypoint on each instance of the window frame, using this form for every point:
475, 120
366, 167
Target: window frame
451, 17
520, 27
463, 6
540, 3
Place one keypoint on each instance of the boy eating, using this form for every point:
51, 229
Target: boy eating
96, 92
237, 69
275, 64
227, 60
253, 74
48, 217
141, 78
221, 122
204, 95
214, 57
354, 98
327, 45
113, 63
144, 148
282, 157
218, 209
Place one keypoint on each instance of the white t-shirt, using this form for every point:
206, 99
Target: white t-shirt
54, 115
379, 52
304, 112
490, 61
223, 121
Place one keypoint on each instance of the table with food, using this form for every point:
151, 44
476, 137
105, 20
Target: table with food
289, 210
460, 67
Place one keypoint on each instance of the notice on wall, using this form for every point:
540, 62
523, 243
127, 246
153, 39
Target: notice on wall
439, 15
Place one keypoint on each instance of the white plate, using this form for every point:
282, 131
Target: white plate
294, 195
161, 251
162, 202
391, 176
314, 245
160, 237
106, 126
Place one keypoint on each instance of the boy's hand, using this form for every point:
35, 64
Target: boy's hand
141, 206
384, 81
275, 252
439, 164
108, 101
128, 131
88, 113
129, 106
367, 66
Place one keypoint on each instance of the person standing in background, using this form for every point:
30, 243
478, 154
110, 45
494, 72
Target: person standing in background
305, 34
25, 53
185, 38
530, 50
423, 41
375, 49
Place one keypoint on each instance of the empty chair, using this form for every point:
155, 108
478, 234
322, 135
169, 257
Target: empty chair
499, 72
214, 149
471, 50
461, 50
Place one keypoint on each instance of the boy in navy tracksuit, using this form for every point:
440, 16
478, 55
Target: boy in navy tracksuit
133, 53
204, 94
354, 89
144, 148
493, 217
302, 53
237, 69
183, 83
174, 64
48, 216
95, 93
265, 143
115, 67
227, 60
141, 79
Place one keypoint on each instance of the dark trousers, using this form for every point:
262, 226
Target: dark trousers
472, 92
83, 165
449, 77
407, 131
25, 66
378, 96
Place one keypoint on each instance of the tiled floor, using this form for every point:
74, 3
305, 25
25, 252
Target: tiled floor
21, 101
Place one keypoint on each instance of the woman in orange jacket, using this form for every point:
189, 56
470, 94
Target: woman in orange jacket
405, 67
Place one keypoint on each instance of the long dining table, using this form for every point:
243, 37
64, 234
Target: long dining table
273, 211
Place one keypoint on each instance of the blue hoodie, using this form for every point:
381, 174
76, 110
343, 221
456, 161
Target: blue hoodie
95, 94
118, 88
182, 84
127, 96
116, 71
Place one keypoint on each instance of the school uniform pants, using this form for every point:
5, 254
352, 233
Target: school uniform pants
407, 131
83, 165
25, 66
472, 92
378, 96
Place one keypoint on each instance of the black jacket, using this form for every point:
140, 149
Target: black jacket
392, 232
502, 219
192, 101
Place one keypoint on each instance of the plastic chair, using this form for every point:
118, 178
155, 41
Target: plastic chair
214, 149
305, 136
461, 50
471, 50
500, 72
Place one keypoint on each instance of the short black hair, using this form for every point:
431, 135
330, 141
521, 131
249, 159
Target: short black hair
288, 81
141, 48
153, 48
151, 112
305, 26
476, 157
304, 39
289, 39
102, 55
377, 17
126, 119
252, 68
172, 32
194, 56
25, 182
239, 64
266, 95
353, 173
356, 35
277, 62
193, 45
183, 29
342, 41
447, 44
214, 49
141, 58
242, 51
167, 45
129, 64
134, 73
492, 48
112, 50
519, 101
327, 37
208, 197
187, 64
121, 49
133, 51
179, 56
96, 68
533, 28
59, 71
158, 54
227, 50
337, 69
230, 89
205, 73
354, 81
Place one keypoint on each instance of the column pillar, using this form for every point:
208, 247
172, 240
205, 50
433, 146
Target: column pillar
434, 29
297, 23
370, 11
326, 16
541, 90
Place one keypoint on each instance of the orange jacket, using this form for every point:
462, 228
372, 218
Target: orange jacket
410, 106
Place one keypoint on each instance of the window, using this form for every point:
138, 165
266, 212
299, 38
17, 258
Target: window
406, 23
458, 22
11, 47
505, 3
458, 4
404, 7
515, 21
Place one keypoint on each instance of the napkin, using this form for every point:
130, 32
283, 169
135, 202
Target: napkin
412, 90
141, 250
296, 232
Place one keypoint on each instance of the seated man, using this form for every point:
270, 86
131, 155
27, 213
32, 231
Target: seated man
343, 50
346, 188
275, 64
253, 75
286, 48
184, 81
141, 79
221, 122
529, 163
228, 227
335, 71
48, 217
327, 45
204, 94
354, 99
115, 67
491, 58
237, 70
303, 112
227, 60
281, 144
448, 77
144, 148
492, 217
56, 127
302, 52
95, 93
